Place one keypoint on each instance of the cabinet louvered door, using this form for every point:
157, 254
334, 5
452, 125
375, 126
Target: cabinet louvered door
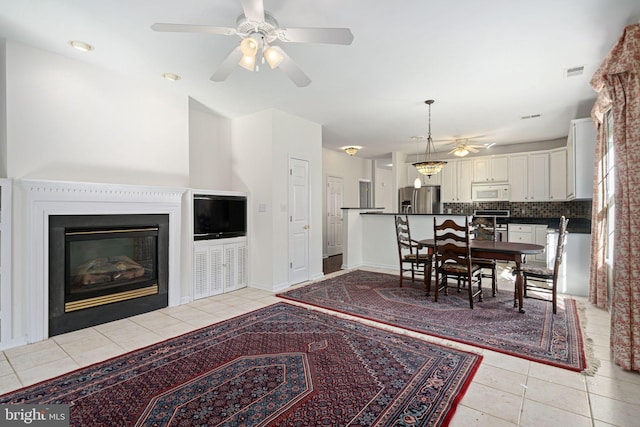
229, 267
216, 270
219, 267
235, 266
201, 273
208, 271
241, 266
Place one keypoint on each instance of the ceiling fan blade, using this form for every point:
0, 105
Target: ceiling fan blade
227, 65
188, 28
473, 150
253, 10
316, 35
292, 70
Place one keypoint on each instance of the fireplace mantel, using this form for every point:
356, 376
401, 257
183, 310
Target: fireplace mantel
40, 198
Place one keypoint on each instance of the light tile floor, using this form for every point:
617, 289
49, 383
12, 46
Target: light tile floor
506, 391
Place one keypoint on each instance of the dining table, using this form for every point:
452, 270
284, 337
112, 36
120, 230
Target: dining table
501, 251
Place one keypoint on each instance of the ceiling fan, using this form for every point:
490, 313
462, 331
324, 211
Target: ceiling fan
463, 147
261, 34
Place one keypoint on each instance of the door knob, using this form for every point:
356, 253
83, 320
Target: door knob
306, 227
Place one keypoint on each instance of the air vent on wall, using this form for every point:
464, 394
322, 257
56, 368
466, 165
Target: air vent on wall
574, 71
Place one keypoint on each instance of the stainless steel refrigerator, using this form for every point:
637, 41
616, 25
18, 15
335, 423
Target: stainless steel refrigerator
423, 200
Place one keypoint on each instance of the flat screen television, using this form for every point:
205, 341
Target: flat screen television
219, 217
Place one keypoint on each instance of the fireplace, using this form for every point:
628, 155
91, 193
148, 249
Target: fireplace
105, 267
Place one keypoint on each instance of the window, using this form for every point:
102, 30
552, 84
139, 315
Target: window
609, 186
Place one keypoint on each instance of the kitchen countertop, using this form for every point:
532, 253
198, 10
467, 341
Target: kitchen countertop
575, 225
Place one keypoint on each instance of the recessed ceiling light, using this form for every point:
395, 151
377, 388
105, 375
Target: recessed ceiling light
82, 46
171, 76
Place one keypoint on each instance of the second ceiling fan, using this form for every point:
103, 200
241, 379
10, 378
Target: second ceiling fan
260, 36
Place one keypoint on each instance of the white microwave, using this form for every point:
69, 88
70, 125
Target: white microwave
489, 192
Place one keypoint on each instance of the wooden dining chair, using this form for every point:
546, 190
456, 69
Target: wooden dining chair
453, 258
484, 228
546, 279
411, 259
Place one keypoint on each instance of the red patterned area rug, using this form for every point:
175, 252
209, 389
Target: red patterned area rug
494, 324
282, 365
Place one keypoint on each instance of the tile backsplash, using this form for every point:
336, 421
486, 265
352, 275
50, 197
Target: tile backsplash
573, 209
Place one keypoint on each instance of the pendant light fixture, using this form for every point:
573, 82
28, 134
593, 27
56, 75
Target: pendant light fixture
428, 166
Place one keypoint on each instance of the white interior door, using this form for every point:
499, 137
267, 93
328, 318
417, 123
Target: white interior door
298, 221
365, 193
335, 191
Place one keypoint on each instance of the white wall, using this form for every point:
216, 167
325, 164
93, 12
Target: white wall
262, 145
67, 120
209, 148
252, 147
3, 110
351, 169
298, 138
384, 189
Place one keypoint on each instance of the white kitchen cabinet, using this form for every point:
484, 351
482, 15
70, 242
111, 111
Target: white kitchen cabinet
581, 147
518, 178
538, 175
530, 233
540, 238
456, 181
558, 174
465, 177
219, 266
449, 188
491, 169
529, 177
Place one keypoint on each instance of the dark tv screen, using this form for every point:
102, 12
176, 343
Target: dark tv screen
219, 217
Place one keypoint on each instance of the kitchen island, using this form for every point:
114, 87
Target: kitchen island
370, 236
369, 240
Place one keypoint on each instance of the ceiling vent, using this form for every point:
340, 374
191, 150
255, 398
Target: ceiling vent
532, 116
574, 71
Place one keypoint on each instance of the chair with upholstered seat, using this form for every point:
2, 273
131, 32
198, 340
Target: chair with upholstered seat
484, 228
546, 279
452, 253
409, 251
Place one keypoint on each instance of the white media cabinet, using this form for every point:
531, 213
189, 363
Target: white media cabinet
219, 265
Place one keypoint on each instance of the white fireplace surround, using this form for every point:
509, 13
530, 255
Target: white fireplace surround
44, 198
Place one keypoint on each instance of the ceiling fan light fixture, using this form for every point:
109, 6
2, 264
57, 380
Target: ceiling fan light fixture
460, 152
248, 62
272, 56
249, 47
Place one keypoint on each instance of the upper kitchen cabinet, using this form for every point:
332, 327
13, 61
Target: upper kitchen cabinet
581, 147
529, 177
558, 174
457, 176
491, 169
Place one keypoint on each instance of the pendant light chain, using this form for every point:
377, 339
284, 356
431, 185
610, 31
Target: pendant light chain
429, 167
